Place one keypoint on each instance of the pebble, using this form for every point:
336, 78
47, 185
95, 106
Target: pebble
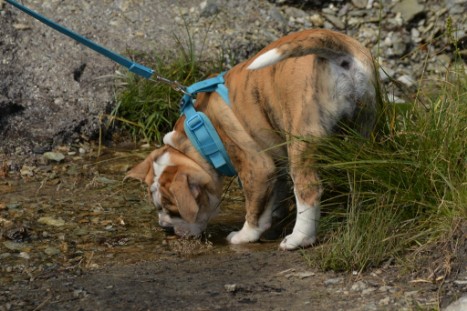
368, 291
361, 4
24, 255
333, 281
385, 301
358, 286
230, 288
27, 171
211, 8
50, 221
407, 80
301, 275
409, 9
336, 21
54, 156
12, 206
51, 251
384, 288
14, 246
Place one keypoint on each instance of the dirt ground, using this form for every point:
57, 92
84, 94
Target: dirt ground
74, 236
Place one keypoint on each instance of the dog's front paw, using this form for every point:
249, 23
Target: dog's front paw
246, 235
232, 238
296, 240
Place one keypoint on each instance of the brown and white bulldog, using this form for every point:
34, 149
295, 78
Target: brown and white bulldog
302, 84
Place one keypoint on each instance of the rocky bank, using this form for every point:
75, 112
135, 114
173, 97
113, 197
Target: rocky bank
53, 90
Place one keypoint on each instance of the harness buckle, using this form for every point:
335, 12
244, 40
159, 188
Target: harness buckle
194, 122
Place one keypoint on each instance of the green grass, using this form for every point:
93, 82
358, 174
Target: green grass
403, 189
148, 109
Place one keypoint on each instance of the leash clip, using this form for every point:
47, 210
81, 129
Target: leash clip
177, 86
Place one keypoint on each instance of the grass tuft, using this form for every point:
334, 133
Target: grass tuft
147, 108
402, 189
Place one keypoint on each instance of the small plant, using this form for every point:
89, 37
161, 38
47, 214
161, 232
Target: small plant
148, 109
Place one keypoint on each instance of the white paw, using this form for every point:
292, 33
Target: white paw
296, 240
232, 238
246, 235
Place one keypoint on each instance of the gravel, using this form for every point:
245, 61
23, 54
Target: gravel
53, 90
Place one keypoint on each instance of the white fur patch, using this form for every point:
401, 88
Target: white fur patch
159, 166
304, 231
266, 59
161, 163
168, 138
249, 233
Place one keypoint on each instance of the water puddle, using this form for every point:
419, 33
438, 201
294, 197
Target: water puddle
79, 214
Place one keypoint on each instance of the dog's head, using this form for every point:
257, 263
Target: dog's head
185, 195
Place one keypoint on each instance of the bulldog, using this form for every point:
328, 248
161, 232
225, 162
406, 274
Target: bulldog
303, 84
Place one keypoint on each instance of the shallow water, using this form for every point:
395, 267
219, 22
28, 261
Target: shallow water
80, 214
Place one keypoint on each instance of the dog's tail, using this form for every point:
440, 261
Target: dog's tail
327, 44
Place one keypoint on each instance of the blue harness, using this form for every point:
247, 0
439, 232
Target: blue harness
199, 128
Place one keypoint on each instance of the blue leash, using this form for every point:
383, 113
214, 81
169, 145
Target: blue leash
198, 127
131, 65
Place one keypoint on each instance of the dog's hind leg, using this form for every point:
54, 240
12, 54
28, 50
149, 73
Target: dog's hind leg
307, 192
281, 201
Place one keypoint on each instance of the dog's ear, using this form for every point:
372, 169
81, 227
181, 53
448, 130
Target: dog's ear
144, 171
185, 188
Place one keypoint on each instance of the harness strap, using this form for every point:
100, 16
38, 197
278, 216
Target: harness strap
199, 128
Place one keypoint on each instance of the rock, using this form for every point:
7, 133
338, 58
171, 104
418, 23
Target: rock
458, 305
333, 281
50, 221
359, 286
54, 156
24, 255
385, 288
336, 21
27, 170
209, 8
456, 6
301, 275
385, 301
13, 206
407, 80
386, 73
369, 290
51, 251
361, 4
276, 15
230, 288
396, 44
13, 246
409, 9
295, 12
317, 20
